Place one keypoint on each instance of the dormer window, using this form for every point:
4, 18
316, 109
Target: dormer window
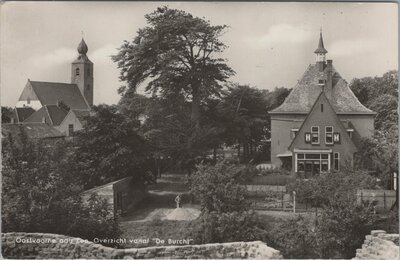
315, 135
293, 132
77, 72
328, 135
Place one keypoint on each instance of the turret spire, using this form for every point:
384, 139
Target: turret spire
321, 49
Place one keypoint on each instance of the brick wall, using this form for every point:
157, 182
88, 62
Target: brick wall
379, 245
41, 245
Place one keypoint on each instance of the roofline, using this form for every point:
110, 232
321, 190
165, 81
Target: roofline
47, 110
70, 111
335, 118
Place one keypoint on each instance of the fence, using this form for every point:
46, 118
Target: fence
272, 179
382, 200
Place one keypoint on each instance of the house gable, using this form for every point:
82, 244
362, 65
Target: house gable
40, 116
28, 93
323, 115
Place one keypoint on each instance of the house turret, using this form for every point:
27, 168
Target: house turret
321, 53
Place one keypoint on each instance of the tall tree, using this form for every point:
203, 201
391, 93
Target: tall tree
242, 113
178, 54
110, 147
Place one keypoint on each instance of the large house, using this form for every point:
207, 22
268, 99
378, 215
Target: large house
61, 106
319, 125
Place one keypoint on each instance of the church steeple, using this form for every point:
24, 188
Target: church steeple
82, 72
321, 52
82, 47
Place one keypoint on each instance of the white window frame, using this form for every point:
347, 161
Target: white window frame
328, 133
314, 133
312, 152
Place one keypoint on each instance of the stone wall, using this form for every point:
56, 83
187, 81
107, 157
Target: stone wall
379, 245
41, 245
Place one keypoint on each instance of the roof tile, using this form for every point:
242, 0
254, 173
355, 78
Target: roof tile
49, 93
306, 91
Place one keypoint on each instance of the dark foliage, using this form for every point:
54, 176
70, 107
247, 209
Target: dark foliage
40, 193
110, 148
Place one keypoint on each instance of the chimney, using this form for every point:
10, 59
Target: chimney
329, 72
43, 120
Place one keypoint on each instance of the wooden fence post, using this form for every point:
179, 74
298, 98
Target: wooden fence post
294, 202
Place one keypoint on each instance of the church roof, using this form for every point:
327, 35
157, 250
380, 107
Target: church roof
22, 113
49, 93
33, 130
306, 91
53, 114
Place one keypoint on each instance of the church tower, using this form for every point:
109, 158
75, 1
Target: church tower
82, 73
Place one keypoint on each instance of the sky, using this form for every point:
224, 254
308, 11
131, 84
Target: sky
270, 44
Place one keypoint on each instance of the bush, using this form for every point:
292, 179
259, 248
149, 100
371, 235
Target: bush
342, 227
319, 191
294, 238
213, 227
217, 188
41, 194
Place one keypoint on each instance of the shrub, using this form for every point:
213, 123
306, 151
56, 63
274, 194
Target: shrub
342, 227
213, 227
320, 190
217, 188
295, 238
41, 194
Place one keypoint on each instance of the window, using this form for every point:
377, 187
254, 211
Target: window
88, 71
350, 132
28, 100
336, 161
321, 82
315, 135
70, 129
293, 133
77, 72
336, 137
322, 107
87, 87
328, 135
312, 162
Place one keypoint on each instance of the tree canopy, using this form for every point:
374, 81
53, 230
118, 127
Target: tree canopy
178, 55
110, 147
41, 192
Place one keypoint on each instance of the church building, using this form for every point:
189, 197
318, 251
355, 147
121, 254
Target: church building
62, 106
319, 126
